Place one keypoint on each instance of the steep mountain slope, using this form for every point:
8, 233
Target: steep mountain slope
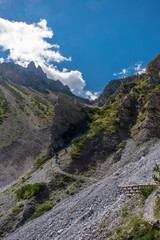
25, 118
117, 146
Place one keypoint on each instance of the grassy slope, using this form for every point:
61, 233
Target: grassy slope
21, 108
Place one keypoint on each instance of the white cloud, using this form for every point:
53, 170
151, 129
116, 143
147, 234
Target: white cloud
123, 72
92, 95
27, 42
1, 60
134, 69
138, 68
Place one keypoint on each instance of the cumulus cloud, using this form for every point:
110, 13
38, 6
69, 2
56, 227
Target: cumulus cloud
134, 69
139, 69
28, 42
1, 60
92, 95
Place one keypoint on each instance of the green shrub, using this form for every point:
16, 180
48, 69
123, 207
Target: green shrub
40, 161
145, 191
138, 229
42, 209
30, 190
78, 144
58, 199
108, 234
20, 205
15, 211
157, 207
143, 230
157, 178
64, 181
124, 212
72, 191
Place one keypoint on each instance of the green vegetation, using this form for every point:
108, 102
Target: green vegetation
15, 210
64, 181
40, 161
144, 92
119, 146
145, 191
108, 234
14, 90
20, 205
71, 191
157, 178
102, 225
157, 208
124, 212
4, 107
30, 190
138, 229
43, 110
44, 207
104, 121
58, 199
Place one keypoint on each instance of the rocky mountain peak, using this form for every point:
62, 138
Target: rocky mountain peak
31, 66
36, 70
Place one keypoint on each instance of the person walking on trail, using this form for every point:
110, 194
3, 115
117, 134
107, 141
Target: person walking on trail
56, 162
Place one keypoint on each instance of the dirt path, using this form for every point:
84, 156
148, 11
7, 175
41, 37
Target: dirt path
57, 168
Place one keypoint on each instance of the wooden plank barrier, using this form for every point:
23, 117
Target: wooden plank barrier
131, 190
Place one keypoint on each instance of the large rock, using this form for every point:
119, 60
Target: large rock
70, 119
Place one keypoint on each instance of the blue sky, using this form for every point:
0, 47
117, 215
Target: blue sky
102, 37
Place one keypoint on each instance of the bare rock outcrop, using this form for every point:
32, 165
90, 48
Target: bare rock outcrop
153, 70
69, 120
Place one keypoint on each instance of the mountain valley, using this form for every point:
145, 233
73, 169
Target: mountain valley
64, 159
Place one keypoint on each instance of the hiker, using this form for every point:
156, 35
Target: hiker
56, 162
66, 150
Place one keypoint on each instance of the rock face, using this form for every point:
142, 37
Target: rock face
97, 149
153, 70
70, 119
112, 88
